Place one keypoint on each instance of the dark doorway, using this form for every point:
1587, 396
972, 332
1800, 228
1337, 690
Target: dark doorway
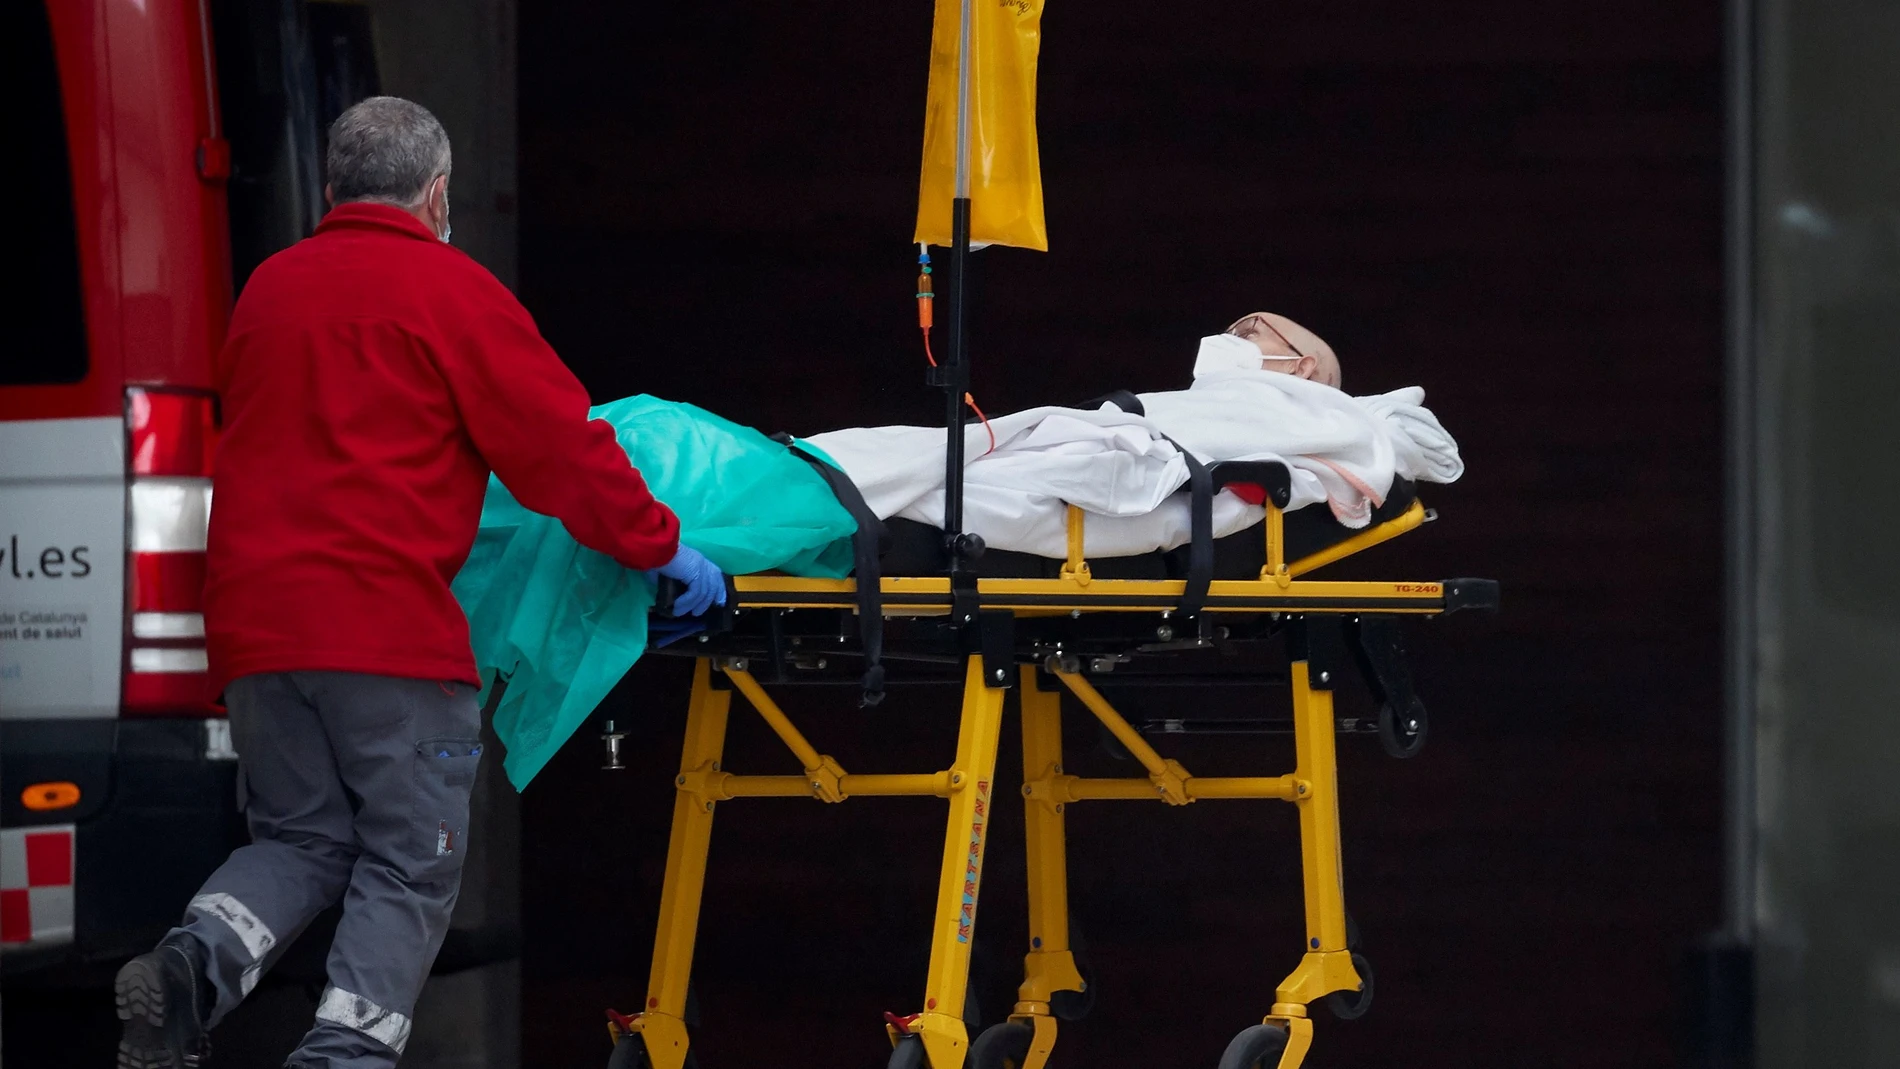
1516, 206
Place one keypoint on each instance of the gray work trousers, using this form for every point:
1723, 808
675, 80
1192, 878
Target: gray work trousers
356, 788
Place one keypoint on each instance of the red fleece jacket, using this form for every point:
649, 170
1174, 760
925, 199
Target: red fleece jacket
372, 379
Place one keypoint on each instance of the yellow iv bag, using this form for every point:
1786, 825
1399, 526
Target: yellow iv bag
1005, 171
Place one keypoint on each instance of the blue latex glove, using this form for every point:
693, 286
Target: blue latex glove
705, 583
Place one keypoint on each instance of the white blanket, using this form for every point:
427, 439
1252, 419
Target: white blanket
1120, 468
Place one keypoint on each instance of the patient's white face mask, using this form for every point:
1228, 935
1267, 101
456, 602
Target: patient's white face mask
1230, 352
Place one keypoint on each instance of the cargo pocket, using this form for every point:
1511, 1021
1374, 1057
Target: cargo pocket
445, 776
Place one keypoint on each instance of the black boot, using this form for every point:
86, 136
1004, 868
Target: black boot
164, 999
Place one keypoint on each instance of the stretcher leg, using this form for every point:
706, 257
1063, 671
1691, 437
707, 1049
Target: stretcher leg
1327, 965
1050, 966
945, 1039
662, 1023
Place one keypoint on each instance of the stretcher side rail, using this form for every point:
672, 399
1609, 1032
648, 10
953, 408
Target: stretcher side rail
931, 595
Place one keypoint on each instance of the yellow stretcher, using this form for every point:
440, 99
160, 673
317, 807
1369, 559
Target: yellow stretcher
1041, 637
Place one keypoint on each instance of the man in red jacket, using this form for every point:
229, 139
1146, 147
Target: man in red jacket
373, 378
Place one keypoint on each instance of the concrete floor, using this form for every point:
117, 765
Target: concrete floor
76, 1029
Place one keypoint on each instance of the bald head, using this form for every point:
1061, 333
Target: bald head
1287, 347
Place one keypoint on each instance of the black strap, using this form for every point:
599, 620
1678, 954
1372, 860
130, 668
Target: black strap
866, 546
1200, 508
1200, 533
1122, 399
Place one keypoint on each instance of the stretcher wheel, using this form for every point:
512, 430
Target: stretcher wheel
631, 1053
1002, 1046
1403, 736
1352, 1005
908, 1054
1258, 1047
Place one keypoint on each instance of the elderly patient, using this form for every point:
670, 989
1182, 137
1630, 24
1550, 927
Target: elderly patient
1264, 389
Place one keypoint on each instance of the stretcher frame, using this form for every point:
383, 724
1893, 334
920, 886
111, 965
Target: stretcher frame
936, 1035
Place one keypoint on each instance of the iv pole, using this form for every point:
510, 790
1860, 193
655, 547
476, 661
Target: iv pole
955, 373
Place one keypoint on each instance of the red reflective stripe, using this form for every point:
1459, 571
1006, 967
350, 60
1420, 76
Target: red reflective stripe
49, 858
168, 582
16, 916
170, 694
173, 433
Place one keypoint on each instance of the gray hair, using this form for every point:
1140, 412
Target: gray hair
386, 149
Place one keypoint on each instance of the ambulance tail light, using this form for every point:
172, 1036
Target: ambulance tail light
172, 436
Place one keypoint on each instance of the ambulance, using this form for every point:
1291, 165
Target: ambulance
158, 170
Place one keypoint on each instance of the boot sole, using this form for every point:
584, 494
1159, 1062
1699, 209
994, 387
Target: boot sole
139, 992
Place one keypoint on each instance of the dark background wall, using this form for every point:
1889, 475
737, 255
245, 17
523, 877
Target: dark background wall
1517, 206
1824, 648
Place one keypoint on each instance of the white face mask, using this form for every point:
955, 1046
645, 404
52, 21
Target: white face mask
447, 226
1226, 353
